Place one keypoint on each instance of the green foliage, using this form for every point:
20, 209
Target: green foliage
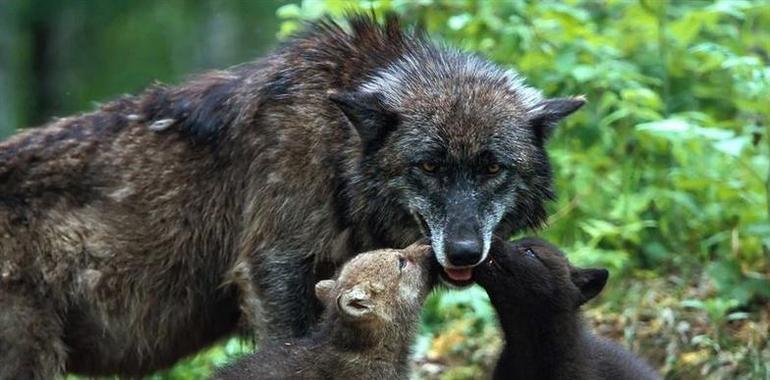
59, 57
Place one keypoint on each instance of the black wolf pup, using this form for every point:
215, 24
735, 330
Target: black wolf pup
163, 222
537, 295
371, 318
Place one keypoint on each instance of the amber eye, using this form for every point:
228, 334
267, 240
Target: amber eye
428, 167
493, 168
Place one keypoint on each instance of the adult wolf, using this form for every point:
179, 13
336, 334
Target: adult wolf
144, 231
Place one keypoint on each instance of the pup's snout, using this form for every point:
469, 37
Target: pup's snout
464, 252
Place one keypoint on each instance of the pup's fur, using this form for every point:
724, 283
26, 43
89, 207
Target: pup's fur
537, 295
142, 232
371, 318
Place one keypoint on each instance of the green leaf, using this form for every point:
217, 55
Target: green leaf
733, 146
458, 22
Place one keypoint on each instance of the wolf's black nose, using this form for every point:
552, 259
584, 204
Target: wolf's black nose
464, 252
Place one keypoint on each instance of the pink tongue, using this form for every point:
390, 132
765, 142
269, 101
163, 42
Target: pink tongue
459, 274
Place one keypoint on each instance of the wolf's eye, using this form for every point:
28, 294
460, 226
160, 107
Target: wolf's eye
401, 263
529, 253
428, 167
493, 169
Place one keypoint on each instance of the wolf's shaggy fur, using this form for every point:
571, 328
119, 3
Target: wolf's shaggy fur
142, 232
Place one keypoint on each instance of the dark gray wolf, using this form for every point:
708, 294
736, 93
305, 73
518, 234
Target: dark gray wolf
142, 232
537, 295
371, 318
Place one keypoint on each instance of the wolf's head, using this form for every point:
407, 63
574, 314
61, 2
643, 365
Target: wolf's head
461, 141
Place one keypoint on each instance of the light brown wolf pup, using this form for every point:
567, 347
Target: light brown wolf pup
372, 314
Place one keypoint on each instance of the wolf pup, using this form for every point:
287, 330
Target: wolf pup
163, 222
537, 295
371, 318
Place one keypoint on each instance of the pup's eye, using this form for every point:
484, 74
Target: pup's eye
401, 263
493, 169
428, 167
529, 253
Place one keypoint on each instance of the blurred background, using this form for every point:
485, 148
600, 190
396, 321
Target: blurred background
664, 177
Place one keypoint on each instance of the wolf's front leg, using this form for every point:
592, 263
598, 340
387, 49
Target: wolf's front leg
286, 283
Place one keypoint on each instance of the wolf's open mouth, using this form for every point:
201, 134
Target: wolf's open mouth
458, 278
464, 274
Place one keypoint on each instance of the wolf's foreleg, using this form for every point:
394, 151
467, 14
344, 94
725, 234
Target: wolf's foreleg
286, 283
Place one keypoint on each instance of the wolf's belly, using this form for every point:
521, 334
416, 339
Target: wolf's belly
146, 335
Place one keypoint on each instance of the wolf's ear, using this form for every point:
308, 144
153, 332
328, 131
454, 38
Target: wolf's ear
356, 304
368, 114
546, 115
589, 281
323, 291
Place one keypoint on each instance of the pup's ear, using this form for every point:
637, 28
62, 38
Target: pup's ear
323, 291
590, 281
356, 304
545, 116
418, 249
368, 114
